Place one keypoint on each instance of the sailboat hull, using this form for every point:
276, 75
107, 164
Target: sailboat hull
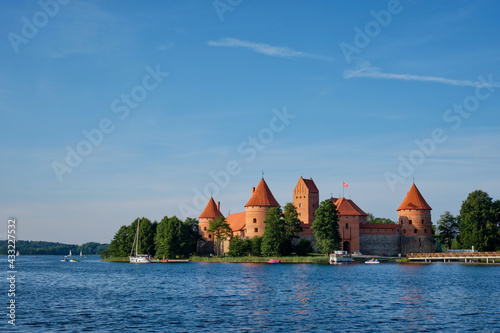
140, 260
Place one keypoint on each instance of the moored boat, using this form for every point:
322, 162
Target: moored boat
372, 261
73, 260
274, 261
340, 257
138, 258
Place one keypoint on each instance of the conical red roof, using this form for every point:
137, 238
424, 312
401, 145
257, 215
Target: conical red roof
262, 196
414, 200
211, 210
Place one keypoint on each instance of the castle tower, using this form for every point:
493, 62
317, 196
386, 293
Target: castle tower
306, 201
414, 217
350, 218
210, 213
256, 208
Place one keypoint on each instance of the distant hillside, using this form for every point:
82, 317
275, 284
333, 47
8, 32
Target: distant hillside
51, 248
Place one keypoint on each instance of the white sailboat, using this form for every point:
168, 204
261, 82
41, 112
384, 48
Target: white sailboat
17, 254
69, 253
80, 253
138, 258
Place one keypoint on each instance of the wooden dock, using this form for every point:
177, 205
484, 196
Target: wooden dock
455, 256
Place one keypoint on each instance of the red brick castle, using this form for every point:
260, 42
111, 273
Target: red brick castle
411, 234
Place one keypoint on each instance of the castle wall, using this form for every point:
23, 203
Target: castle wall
380, 244
417, 244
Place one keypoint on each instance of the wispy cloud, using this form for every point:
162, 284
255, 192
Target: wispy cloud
365, 69
270, 50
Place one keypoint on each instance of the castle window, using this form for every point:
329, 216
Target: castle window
410, 222
209, 236
425, 231
300, 214
254, 220
347, 226
204, 228
313, 205
404, 231
422, 221
414, 231
256, 230
401, 221
300, 205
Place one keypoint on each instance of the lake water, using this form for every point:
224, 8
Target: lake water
91, 295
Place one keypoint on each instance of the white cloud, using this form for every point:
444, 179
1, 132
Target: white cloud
365, 69
274, 51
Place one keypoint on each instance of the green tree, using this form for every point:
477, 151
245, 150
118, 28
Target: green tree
170, 240
274, 238
256, 246
479, 222
447, 229
378, 220
192, 231
222, 231
303, 248
122, 242
292, 226
281, 228
239, 247
326, 227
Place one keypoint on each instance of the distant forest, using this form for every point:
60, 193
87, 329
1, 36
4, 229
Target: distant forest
51, 248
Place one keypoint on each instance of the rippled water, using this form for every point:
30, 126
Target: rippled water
198, 297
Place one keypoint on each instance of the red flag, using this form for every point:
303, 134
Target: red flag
345, 185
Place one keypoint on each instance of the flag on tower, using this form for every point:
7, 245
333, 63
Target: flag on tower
345, 185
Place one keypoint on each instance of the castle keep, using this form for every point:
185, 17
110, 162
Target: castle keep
411, 234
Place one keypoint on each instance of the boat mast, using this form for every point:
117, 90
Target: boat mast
137, 238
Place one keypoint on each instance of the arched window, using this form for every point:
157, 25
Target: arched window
347, 226
256, 230
300, 205
410, 222
204, 228
209, 236
425, 231
414, 231
254, 220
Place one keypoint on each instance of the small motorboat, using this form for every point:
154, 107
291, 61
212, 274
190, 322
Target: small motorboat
340, 257
274, 261
156, 260
164, 260
372, 261
73, 260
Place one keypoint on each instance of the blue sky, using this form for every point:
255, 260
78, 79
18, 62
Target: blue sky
175, 94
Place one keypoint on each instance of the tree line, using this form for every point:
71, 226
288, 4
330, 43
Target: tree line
53, 248
477, 224
173, 238
169, 238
